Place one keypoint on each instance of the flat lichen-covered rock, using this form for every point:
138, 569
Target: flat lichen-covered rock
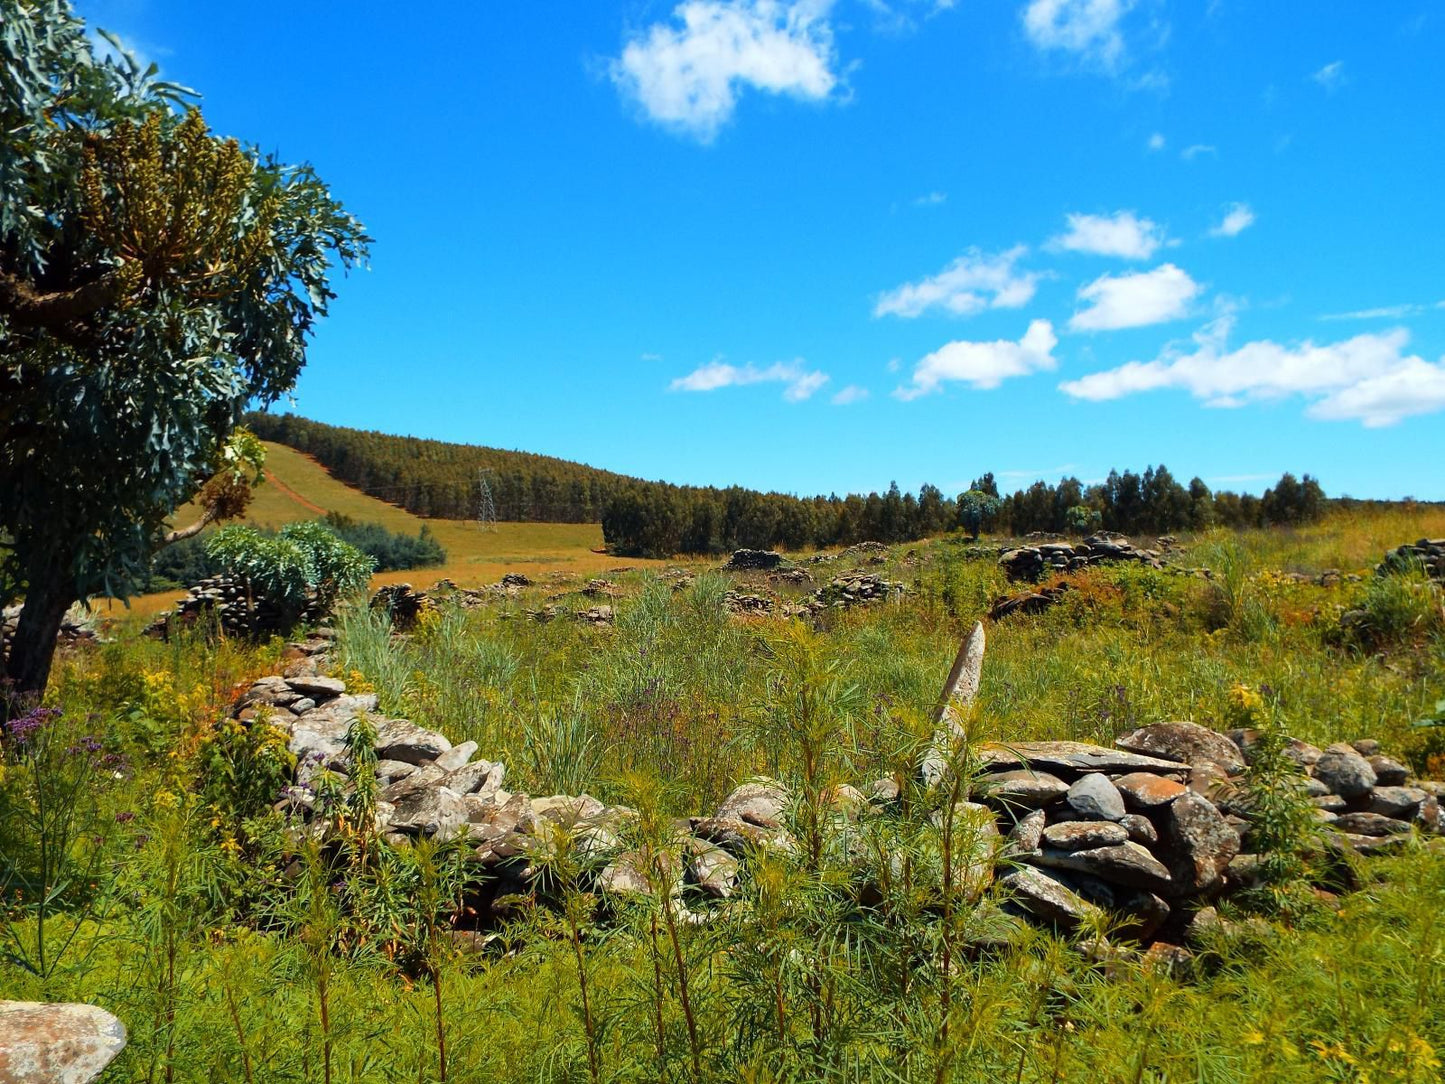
1074, 757
56, 1044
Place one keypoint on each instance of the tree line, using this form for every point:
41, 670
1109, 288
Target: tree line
641, 518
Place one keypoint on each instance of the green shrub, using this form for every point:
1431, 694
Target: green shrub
301, 564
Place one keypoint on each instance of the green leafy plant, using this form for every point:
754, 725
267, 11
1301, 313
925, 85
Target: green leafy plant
303, 565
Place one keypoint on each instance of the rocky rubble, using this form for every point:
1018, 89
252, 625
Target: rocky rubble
1146, 832
1031, 562
229, 601
1429, 552
75, 628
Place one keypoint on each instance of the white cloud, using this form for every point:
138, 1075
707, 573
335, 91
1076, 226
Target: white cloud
1384, 312
1331, 75
649, 356
1237, 219
1089, 29
800, 382
932, 199
1135, 300
1120, 234
851, 394
1368, 378
984, 365
687, 76
973, 282
1156, 141
1194, 150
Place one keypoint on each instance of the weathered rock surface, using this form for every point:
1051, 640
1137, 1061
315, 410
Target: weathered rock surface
57, 1043
1145, 790
1095, 798
1072, 757
1047, 898
1187, 742
1201, 841
1124, 863
1022, 788
1345, 772
1082, 835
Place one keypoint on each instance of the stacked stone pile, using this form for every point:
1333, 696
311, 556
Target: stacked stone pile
1032, 562
75, 628
1147, 832
405, 605
1429, 552
753, 561
229, 601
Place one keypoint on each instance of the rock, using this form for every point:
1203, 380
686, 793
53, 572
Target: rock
1093, 797
760, 803
1047, 898
317, 686
1139, 913
1073, 757
1314, 788
1082, 835
843, 798
1200, 842
627, 875
754, 560
393, 771
1411, 804
1163, 958
1021, 788
56, 1043
457, 756
1183, 741
341, 709
975, 848
500, 829
1388, 771
1145, 790
401, 739
318, 740
1366, 747
1125, 864
426, 810
1301, 752
1140, 828
710, 869
1370, 824
1209, 781
1373, 845
1345, 772
480, 777
1027, 833
1331, 803
882, 791
566, 810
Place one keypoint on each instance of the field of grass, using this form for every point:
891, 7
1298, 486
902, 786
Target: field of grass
234, 952
298, 488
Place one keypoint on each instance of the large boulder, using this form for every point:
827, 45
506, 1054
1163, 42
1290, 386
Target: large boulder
56, 1044
401, 739
1184, 741
1021, 789
1345, 772
1125, 864
1144, 791
1047, 898
1199, 841
759, 803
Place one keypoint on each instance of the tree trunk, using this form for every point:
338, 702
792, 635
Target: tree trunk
49, 592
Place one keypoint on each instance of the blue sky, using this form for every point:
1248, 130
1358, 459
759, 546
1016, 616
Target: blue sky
817, 246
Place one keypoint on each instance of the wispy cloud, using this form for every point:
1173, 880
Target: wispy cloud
1088, 30
983, 365
1368, 378
1156, 142
798, 380
932, 199
1237, 218
1384, 312
1122, 234
973, 282
1135, 300
687, 74
1331, 76
851, 394
1195, 150
649, 356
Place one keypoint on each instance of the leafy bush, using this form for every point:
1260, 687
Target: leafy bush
392, 550
1403, 605
301, 564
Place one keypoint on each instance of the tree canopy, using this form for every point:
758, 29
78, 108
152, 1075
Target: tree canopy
154, 280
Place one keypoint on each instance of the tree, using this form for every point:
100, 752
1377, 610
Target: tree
154, 280
974, 507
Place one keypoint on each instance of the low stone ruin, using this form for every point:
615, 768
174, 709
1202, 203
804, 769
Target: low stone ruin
1429, 552
1032, 562
237, 611
1147, 833
75, 628
753, 561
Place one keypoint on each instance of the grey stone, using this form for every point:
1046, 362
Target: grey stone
1333, 803
1200, 843
427, 810
1082, 835
1186, 742
1389, 772
401, 739
1145, 790
1370, 824
1047, 898
1022, 788
393, 771
315, 685
1125, 864
1301, 752
1140, 828
566, 809
1314, 788
1345, 772
1072, 757
1139, 913
56, 1043
1027, 832
302, 705
882, 791
759, 803
710, 869
480, 777
1093, 797
1366, 747
457, 756
427, 775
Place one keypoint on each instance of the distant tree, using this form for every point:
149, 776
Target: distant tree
1082, 519
974, 507
154, 279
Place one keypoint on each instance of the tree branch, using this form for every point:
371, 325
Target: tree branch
28, 307
207, 517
